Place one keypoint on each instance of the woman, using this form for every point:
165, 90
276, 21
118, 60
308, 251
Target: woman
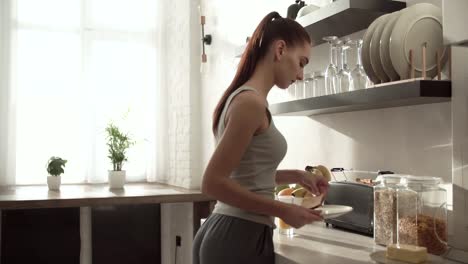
242, 172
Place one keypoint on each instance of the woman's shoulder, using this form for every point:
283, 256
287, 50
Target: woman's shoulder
246, 112
248, 99
246, 106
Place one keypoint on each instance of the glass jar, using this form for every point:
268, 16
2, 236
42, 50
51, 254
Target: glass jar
292, 92
308, 85
385, 209
300, 89
319, 84
422, 214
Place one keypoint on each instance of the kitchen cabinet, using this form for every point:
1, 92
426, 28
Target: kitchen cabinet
126, 234
90, 223
120, 234
49, 235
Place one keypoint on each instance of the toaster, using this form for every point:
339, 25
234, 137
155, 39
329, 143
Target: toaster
361, 198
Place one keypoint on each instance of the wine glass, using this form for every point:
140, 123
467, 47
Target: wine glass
343, 77
358, 75
331, 70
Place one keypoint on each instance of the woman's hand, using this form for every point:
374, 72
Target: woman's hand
314, 183
298, 216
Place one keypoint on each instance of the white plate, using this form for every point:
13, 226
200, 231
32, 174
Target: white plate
420, 23
365, 53
385, 46
374, 48
333, 210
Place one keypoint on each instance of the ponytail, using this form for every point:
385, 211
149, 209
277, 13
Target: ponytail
271, 28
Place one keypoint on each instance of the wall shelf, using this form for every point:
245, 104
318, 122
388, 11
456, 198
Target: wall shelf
401, 93
344, 17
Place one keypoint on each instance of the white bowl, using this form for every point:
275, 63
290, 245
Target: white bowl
306, 10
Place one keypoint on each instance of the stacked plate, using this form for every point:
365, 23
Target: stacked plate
389, 39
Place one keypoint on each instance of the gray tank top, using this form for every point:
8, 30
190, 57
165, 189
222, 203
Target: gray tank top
257, 168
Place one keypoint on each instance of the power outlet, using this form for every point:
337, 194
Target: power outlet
178, 240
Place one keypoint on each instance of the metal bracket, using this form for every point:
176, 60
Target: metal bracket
206, 39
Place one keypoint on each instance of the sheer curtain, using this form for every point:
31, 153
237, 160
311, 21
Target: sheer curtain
68, 69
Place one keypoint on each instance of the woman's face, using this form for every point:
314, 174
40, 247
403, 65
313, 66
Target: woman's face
290, 64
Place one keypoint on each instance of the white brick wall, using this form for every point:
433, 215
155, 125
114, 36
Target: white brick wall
182, 84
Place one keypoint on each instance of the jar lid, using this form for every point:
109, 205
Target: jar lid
391, 179
308, 76
318, 74
421, 180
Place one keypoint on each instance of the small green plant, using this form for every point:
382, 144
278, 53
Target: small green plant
118, 144
55, 166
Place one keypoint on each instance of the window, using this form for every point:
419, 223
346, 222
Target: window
75, 66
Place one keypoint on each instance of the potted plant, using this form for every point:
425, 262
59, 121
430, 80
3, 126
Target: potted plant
55, 168
118, 143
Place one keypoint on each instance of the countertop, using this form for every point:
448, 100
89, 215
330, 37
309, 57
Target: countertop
316, 244
81, 195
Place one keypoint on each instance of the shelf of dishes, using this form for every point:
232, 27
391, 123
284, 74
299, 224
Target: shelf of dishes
392, 94
405, 44
399, 49
343, 17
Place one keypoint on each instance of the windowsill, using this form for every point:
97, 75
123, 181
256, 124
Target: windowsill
82, 195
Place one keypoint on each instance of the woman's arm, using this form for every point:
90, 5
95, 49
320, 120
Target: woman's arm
287, 177
316, 184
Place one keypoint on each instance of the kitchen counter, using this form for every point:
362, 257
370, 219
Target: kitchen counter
316, 243
83, 195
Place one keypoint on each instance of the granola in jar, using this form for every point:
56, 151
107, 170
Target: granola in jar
422, 214
385, 210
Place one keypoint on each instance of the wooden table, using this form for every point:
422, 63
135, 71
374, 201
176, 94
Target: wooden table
86, 196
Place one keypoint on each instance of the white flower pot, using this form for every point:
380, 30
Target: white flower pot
54, 182
116, 179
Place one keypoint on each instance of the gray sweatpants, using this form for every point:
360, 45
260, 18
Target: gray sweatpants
226, 239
